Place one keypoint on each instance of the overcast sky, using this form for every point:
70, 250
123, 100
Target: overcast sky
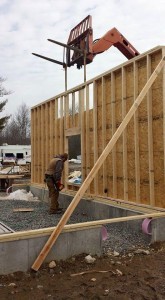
25, 26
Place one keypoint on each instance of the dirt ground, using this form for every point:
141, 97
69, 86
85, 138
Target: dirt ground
129, 277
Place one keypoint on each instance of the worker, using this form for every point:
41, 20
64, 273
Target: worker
53, 176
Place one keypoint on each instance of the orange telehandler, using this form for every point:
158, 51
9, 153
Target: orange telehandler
81, 49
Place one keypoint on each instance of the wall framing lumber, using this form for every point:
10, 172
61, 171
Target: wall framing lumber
83, 161
61, 126
103, 105
87, 135
113, 131
72, 131
52, 113
163, 53
95, 132
73, 109
42, 144
134, 170
56, 127
125, 159
136, 136
150, 136
46, 132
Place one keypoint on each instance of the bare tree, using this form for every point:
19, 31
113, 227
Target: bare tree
3, 92
17, 130
22, 120
10, 133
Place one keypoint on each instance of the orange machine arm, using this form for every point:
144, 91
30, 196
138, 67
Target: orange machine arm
114, 38
81, 37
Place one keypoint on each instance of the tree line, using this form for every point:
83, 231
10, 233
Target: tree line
14, 129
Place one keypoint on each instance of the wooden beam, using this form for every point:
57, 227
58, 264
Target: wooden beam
35, 157
87, 133
51, 128
42, 142
44, 252
56, 127
82, 137
103, 122
48, 128
73, 110
22, 235
150, 136
32, 145
5, 176
163, 83
72, 131
22, 209
125, 156
47, 158
66, 146
125, 204
136, 136
29, 234
61, 125
95, 132
113, 109
122, 219
38, 147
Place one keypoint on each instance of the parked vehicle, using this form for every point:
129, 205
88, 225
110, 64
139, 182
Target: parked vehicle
15, 154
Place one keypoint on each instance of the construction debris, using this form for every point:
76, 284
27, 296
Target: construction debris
22, 209
75, 177
90, 271
89, 259
21, 195
16, 169
52, 264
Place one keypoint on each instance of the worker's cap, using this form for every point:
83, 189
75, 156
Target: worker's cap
64, 156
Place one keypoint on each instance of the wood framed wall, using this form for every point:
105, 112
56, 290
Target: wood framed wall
134, 170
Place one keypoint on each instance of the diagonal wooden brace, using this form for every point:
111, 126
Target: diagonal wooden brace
44, 252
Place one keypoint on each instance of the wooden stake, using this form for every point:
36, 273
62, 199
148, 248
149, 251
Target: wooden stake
44, 252
22, 209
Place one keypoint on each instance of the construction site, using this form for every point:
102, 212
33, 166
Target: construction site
114, 183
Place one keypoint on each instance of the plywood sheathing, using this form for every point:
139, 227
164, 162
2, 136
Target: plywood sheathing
134, 170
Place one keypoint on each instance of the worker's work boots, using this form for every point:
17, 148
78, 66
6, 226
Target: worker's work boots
57, 211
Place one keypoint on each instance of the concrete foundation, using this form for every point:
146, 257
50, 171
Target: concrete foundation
99, 211
18, 251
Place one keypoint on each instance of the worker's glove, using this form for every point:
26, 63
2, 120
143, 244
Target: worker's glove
59, 186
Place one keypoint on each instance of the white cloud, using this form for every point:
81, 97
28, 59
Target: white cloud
27, 24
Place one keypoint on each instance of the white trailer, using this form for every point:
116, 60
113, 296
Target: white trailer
15, 154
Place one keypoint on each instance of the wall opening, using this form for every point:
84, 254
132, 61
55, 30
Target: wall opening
74, 152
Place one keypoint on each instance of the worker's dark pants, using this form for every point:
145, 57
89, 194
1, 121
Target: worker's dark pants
53, 194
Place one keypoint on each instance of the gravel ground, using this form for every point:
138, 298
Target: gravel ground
38, 218
123, 240
120, 238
